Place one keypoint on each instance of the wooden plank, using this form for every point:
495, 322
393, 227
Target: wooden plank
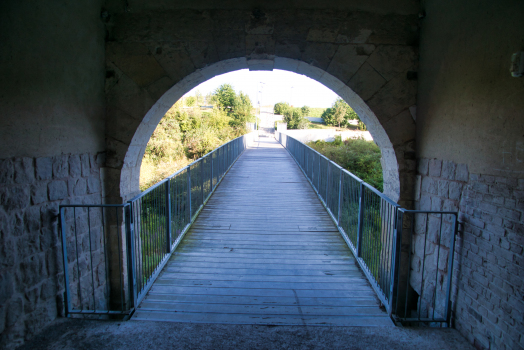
263, 251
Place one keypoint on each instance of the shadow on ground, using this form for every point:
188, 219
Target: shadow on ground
87, 334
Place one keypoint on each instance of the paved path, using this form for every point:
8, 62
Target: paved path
263, 251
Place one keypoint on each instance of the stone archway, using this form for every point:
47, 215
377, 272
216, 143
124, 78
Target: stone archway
129, 180
153, 58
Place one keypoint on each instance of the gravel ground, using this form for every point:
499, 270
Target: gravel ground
88, 334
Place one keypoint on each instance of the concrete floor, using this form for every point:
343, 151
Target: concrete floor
87, 334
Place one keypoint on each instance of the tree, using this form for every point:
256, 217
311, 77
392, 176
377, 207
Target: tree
339, 107
340, 113
294, 119
225, 97
305, 111
190, 101
281, 108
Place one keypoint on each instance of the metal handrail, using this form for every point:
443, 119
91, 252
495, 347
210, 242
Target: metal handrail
371, 223
129, 249
161, 215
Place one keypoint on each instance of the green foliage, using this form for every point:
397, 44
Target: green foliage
294, 119
339, 114
185, 134
281, 108
306, 111
225, 97
316, 112
358, 156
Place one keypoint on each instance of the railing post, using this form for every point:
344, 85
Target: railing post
131, 273
202, 179
360, 220
168, 216
318, 185
212, 178
339, 196
189, 191
395, 259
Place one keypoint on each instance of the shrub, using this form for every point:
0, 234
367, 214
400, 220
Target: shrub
358, 156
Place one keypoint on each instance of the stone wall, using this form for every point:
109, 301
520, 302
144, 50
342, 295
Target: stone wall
31, 268
488, 274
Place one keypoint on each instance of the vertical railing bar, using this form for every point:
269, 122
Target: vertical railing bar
168, 216
91, 257
436, 271
450, 269
67, 304
360, 220
189, 191
423, 266
397, 234
106, 262
79, 287
412, 223
119, 262
130, 256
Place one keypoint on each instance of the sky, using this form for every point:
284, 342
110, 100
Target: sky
271, 87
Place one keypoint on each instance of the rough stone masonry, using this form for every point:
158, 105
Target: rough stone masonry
31, 268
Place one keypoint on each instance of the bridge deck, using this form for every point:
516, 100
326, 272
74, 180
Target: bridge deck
263, 251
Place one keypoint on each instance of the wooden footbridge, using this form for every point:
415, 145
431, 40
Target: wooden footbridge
263, 250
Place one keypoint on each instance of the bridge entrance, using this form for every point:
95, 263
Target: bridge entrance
263, 251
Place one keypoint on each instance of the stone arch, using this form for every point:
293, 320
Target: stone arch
129, 177
367, 57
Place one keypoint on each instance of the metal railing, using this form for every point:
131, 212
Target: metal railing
94, 283
373, 226
135, 242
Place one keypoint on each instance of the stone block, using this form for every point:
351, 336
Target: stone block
24, 170
348, 59
401, 129
38, 193
392, 60
75, 167
462, 173
455, 190
425, 202
60, 167
79, 187
44, 168
15, 198
84, 160
394, 97
435, 167
32, 218
33, 270
423, 166
500, 190
436, 203
489, 208
14, 311
366, 82
448, 170
49, 214
510, 214
319, 54
136, 62
443, 188
429, 186
6, 287
57, 190
7, 171
93, 184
